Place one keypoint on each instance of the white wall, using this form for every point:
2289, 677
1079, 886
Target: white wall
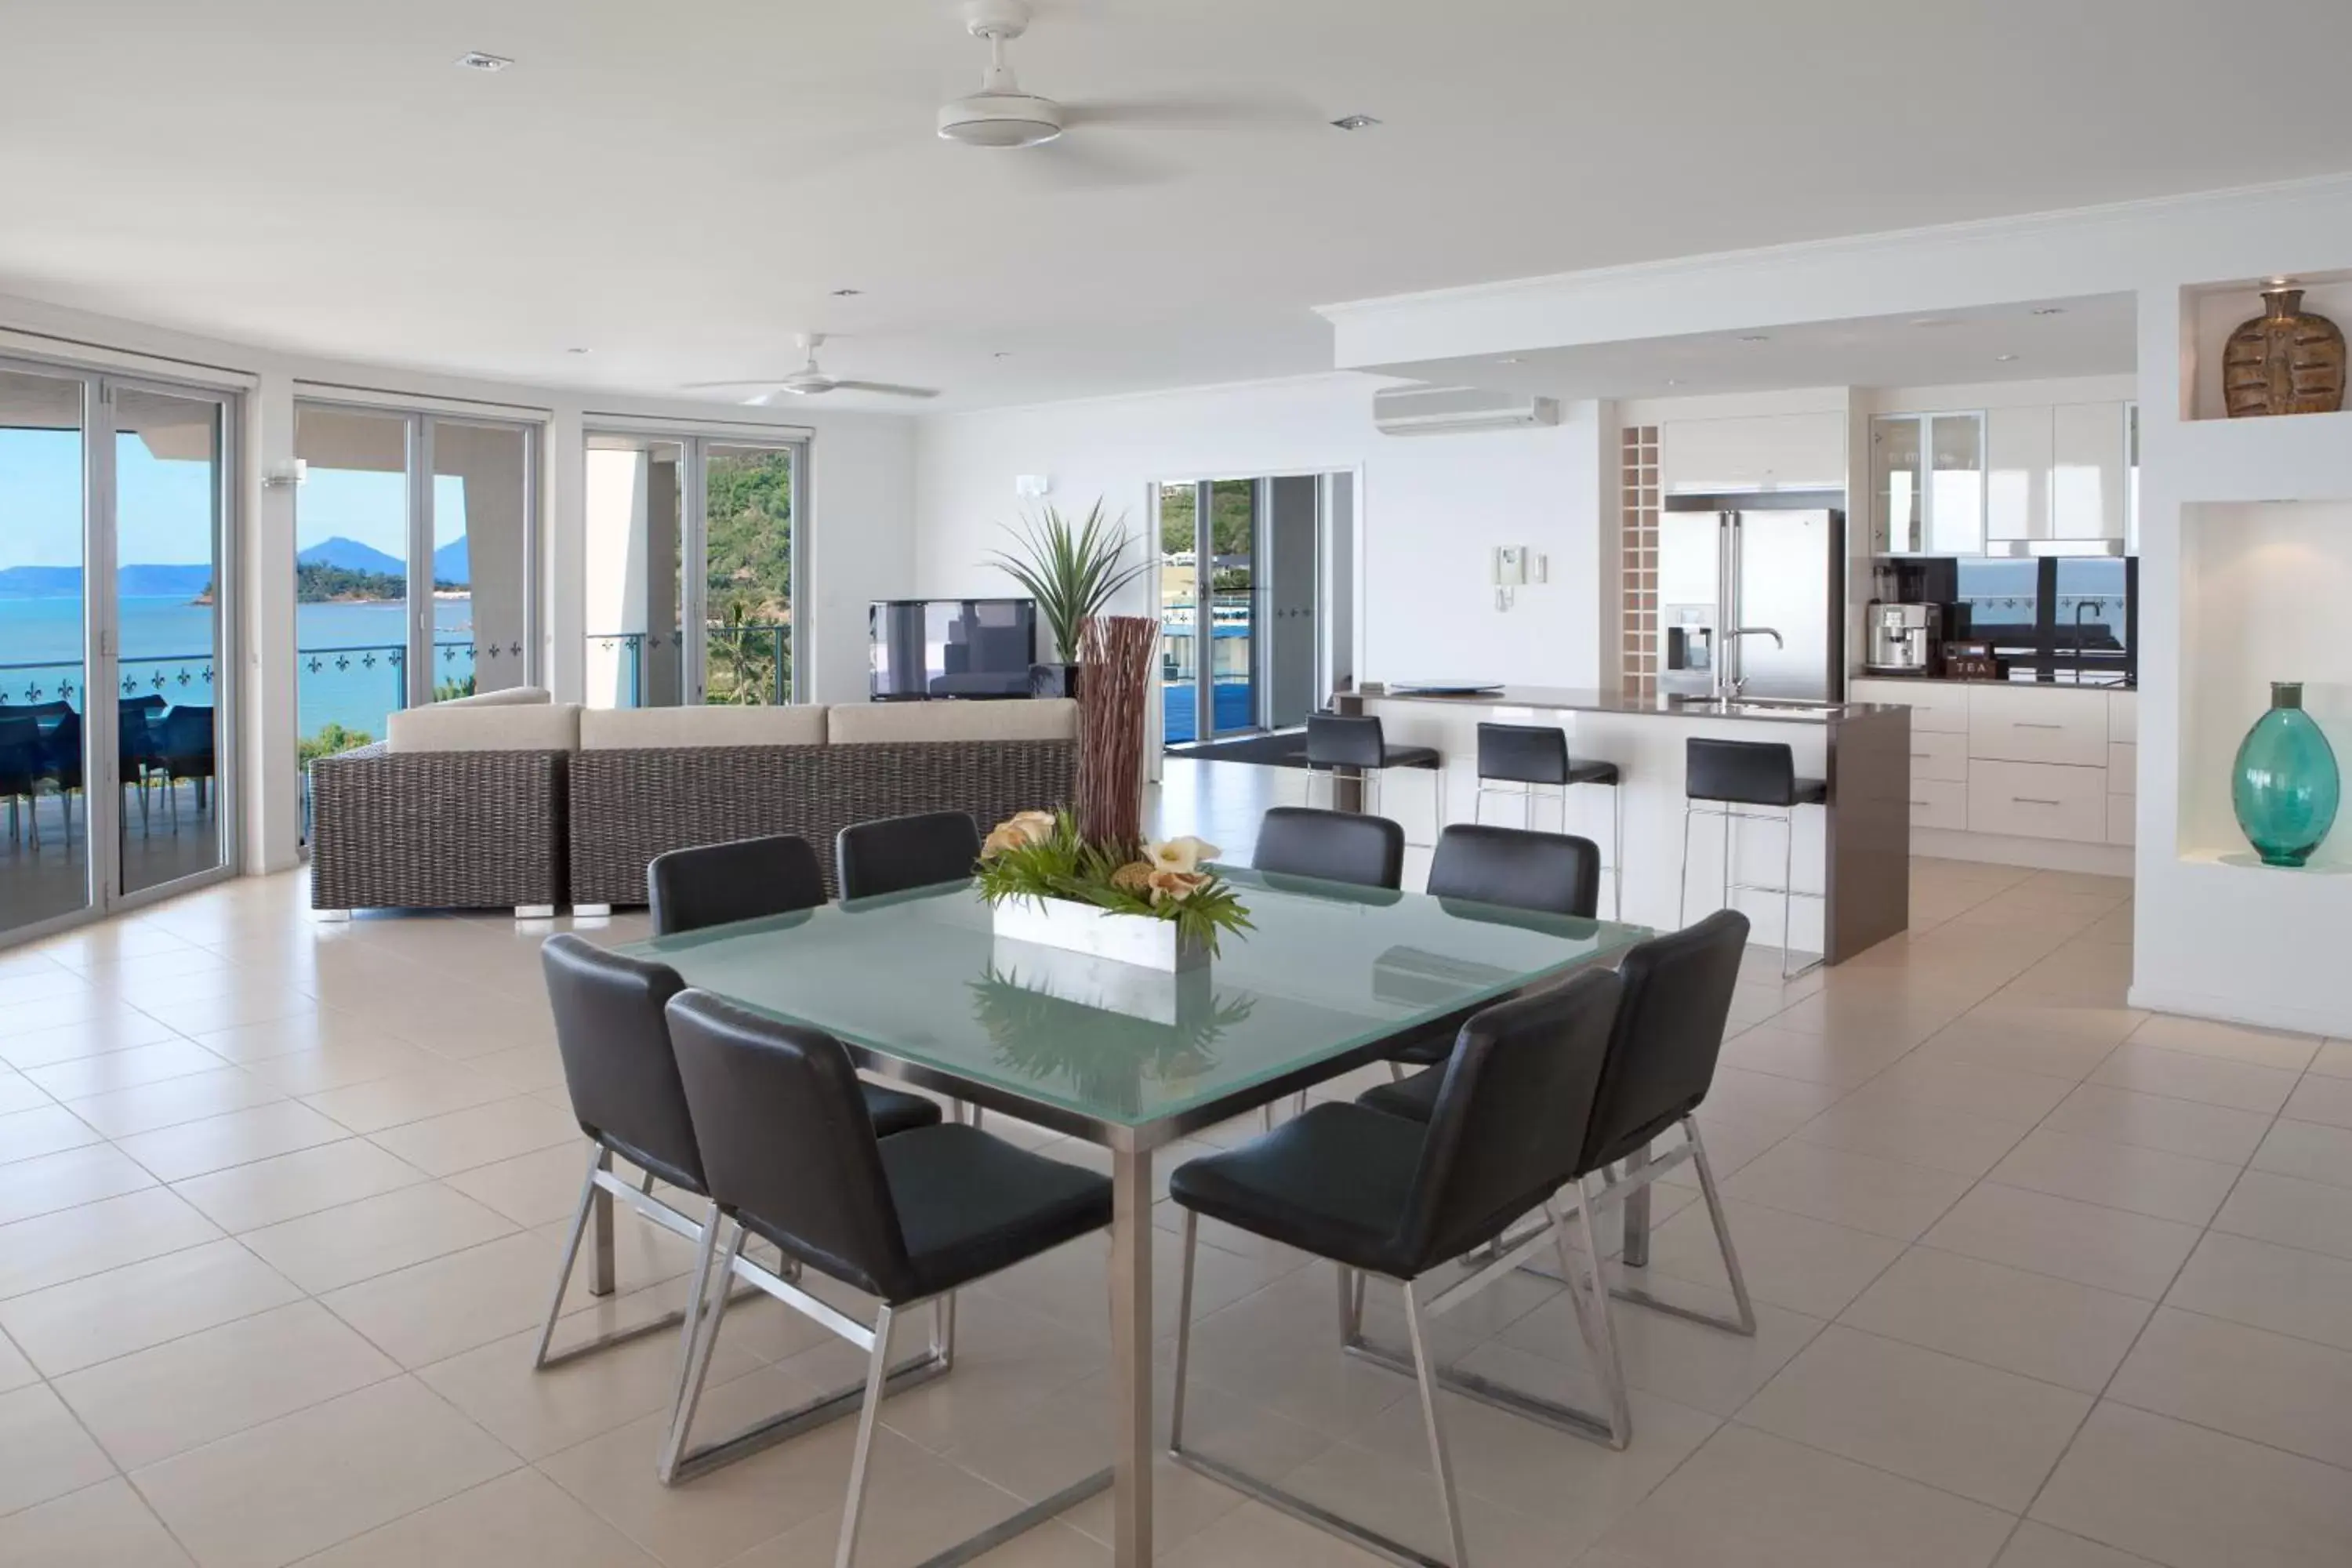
859, 525
1430, 510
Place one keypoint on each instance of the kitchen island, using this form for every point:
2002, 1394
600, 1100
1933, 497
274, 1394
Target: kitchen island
1851, 859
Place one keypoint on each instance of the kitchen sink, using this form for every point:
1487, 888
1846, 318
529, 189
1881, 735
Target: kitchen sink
1752, 705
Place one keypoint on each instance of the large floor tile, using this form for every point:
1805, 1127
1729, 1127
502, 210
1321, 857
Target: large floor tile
1805, 1265
178, 1395
286, 1186
2038, 1546
2234, 1042
1885, 1197
462, 1139
341, 1246
2119, 1175
1958, 1425
28, 1045
536, 1413
91, 1320
2032, 1324
2191, 1498
2105, 1247
170, 1102
43, 1130
55, 1248
304, 1483
1757, 1500
2307, 1150
84, 1077
426, 1088
44, 1452
1914, 1134
530, 1189
2159, 1121
520, 1517
217, 1143
1996, 1093
2284, 1288
64, 1179
2327, 1101
104, 1526
2186, 1075
1690, 1364
2290, 1394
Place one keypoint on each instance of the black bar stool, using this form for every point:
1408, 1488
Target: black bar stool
1756, 780
1335, 742
1535, 756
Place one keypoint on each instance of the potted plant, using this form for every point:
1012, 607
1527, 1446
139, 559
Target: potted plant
1159, 905
1071, 570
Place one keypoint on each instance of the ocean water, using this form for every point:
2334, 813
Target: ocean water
166, 646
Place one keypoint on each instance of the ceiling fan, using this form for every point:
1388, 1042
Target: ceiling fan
809, 381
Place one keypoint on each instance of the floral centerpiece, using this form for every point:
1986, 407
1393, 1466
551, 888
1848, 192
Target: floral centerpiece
1158, 904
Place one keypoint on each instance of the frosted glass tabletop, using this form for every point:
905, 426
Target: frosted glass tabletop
919, 982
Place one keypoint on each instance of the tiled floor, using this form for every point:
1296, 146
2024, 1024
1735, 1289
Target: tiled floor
2043, 1282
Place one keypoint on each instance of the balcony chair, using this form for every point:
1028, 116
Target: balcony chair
1661, 1063
1384, 1196
23, 760
793, 1159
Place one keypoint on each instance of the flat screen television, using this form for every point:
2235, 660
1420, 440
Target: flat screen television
951, 648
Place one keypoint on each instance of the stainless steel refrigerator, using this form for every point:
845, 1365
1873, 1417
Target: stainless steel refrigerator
1751, 590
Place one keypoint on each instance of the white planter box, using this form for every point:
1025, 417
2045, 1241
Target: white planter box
1082, 928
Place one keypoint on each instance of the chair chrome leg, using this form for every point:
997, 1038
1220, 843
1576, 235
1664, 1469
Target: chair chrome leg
1184, 1333
598, 1156
1635, 1207
1604, 1350
1617, 851
600, 1276
1426, 1376
1682, 893
943, 1331
1722, 1227
1730, 852
702, 1341
878, 1372
1788, 890
697, 1302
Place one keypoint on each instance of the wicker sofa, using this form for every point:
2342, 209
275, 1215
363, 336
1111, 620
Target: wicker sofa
645, 781
512, 800
460, 806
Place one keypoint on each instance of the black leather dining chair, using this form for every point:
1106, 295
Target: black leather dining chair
1331, 845
1661, 1064
22, 757
793, 1160
1507, 867
718, 884
1389, 1198
893, 853
623, 1079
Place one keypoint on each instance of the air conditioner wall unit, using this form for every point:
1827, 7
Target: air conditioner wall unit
1444, 410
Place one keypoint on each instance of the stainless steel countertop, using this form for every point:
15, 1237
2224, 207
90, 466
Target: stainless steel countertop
1570, 699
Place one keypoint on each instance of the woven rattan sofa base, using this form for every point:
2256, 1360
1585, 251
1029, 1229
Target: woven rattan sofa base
629, 805
437, 830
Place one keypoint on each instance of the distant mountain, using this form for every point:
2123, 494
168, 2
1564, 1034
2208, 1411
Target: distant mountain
135, 582
351, 556
41, 583
452, 564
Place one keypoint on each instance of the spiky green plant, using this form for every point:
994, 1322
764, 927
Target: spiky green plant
1060, 864
1071, 569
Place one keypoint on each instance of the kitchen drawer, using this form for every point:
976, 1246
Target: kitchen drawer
1935, 755
1939, 803
2011, 724
2123, 819
2123, 718
2038, 800
2123, 769
1938, 705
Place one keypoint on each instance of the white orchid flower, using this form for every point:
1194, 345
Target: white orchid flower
1184, 854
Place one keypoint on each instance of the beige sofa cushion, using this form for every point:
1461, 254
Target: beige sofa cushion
496, 727
646, 729
1049, 719
513, 696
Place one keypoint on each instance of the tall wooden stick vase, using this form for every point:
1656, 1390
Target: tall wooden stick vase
1116, 652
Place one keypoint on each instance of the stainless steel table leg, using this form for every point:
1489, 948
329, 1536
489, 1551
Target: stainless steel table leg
1130, 1357
1636, 1208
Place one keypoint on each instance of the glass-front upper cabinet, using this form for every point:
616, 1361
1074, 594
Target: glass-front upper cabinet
1927, 481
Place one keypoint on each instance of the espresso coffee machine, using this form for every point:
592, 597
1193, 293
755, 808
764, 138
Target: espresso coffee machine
1904, 638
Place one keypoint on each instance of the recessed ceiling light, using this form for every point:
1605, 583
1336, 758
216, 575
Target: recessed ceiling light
1755, 337
475, 60
1512, 359
2049, 310
1001, 353
1354, 122
2004, 358
847, 293
1672, 382
580, 351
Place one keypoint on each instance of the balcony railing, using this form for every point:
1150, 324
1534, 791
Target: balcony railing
745, 661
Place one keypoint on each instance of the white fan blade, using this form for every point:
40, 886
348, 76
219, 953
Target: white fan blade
1081, 166
748, 381
1197, 112
884, 386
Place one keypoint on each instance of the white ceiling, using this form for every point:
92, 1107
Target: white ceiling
679, 187
2029, 341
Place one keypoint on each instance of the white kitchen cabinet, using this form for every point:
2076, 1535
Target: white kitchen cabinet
1942, 757
1760, 452
2025, 724
2123, 819
1939, 803
2038, 800
2019, 446
1927, 473
2123, 718
2088, 444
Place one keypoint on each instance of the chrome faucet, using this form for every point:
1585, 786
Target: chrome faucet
1726, 685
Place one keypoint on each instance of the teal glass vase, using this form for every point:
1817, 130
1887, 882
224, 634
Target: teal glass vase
2286, 785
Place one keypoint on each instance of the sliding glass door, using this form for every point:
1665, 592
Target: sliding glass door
116, 687
416, 555
690, 582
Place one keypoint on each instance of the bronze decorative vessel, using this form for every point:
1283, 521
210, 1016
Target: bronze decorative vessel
2284, 361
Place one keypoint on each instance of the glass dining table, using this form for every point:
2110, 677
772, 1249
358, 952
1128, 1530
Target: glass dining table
1330, 977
